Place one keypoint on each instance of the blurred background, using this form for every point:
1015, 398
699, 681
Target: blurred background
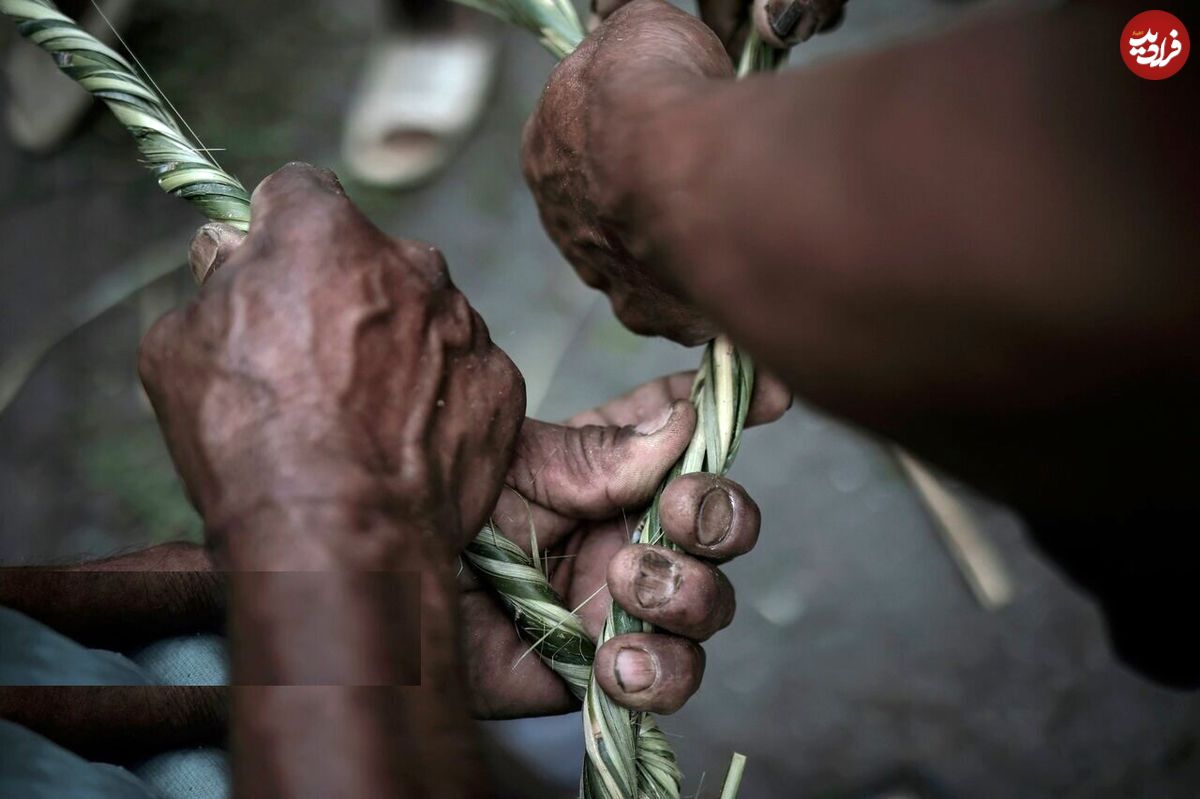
860, 663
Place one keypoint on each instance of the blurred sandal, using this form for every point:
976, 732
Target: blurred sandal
420, 98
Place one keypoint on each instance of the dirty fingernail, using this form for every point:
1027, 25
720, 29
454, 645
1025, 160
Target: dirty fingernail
783, 17
657, 580
715, 518
202, 253
209, 248
635, 670
655, 423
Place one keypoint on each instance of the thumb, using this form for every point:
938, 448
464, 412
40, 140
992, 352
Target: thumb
594, 471
211, 246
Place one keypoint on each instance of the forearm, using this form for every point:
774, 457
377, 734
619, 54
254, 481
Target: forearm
133, 598
120, 724
347, 649
943, 238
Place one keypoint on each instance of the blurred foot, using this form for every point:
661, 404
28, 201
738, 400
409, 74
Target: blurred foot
420, 97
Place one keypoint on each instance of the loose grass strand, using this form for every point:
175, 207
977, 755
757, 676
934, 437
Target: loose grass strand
182, 166
628, 756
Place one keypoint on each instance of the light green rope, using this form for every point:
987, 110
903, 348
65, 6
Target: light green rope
557, 634
554, 22
182, 167
628, 755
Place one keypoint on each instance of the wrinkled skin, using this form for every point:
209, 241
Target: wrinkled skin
949, 258
269, 398
780, 23
604, 96
281, 383
596, 96
580, 486
581, 509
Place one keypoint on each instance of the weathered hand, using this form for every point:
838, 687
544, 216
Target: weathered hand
581, 487
780, 23
586, 142
328, 362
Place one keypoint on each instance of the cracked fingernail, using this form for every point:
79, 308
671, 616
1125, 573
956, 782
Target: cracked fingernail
635, 670
655, 423
783, 17
657, 580
715, 518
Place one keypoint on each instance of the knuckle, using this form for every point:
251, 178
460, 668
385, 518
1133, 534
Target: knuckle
684, 672
152, 348
586, 451
706, 609
427, 261
772, 399
298, 188
726, 605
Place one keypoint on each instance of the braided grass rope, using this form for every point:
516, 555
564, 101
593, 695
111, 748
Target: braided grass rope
628, 756
182, 167
615, 738
556, 634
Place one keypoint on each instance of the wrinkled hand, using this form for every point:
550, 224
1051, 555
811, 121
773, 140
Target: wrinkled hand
780, 23
587, 144
597, 149
328, 362
582, 487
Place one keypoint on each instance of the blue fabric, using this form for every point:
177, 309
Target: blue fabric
186, 660
33, 767
34, 654
188, 774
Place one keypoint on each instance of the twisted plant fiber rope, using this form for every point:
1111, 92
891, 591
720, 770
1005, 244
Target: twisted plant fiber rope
554, 22
182, 168
628, 755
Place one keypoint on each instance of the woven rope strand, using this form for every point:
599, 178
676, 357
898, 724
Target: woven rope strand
181, 167
628, 755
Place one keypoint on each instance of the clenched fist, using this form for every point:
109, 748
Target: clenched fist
326, 362
586, 149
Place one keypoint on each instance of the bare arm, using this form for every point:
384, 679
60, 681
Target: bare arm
343, 423
981, 246
348, 672
123, 600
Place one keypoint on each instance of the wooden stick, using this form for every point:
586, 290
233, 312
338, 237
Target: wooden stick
979, 562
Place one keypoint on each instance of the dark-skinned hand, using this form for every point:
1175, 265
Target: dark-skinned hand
326, 362
583, 486
601, 97
780, 23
